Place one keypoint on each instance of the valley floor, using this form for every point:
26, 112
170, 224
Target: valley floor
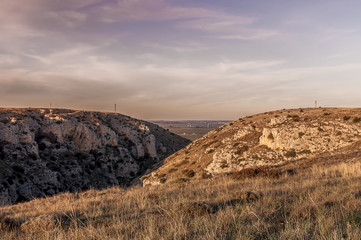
319, 202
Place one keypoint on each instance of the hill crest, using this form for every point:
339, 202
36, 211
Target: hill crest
270, 139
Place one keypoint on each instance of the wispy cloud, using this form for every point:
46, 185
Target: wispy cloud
231, 66
217, 23
159, 57
155, 10
179, 47
250, 34
101, 82
8, 61
188, 18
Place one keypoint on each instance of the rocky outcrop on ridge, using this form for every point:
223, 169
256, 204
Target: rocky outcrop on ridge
44, 152
268, 139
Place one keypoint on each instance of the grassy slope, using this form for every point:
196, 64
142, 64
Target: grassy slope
319, 202
194, 157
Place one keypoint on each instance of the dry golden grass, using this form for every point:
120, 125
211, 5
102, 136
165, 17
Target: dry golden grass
321, 202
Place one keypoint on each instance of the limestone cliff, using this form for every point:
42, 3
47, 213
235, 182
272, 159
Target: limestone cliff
44, 152
267, 139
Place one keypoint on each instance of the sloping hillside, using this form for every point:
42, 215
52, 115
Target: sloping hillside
44, 152
269, 140
322, 202
296, 185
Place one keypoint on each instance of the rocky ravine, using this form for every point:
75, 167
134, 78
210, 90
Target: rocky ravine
44, 152
267, 139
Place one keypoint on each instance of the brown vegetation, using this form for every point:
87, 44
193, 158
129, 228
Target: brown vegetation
256, 172
320, 202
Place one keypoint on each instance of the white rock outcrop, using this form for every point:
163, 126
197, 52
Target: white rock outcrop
45, 152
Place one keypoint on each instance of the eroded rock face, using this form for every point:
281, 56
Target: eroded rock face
267, 139
309, 136
45, 152
281, 140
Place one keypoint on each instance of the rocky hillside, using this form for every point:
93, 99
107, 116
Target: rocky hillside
44, 152
269, 140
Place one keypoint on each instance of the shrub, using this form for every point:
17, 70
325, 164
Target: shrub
197, 209
182, 163
172, 170
306, 151
224, 164
206, 175
5, 121
189, 173
18, 169
246, 197
301, 134
291, 153
346, 118
270, 136
8, 224
327, 114
356, 120
295, 118
180, 180
256, 172
241, 150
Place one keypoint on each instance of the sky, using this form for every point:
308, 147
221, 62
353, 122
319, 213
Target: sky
180, 59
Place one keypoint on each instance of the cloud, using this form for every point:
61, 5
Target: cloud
156, 57
231, 66
155, 10
40, 24
186, 18
153, 91
43, 14
250, 34
220, 23
8, 61
178, 47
